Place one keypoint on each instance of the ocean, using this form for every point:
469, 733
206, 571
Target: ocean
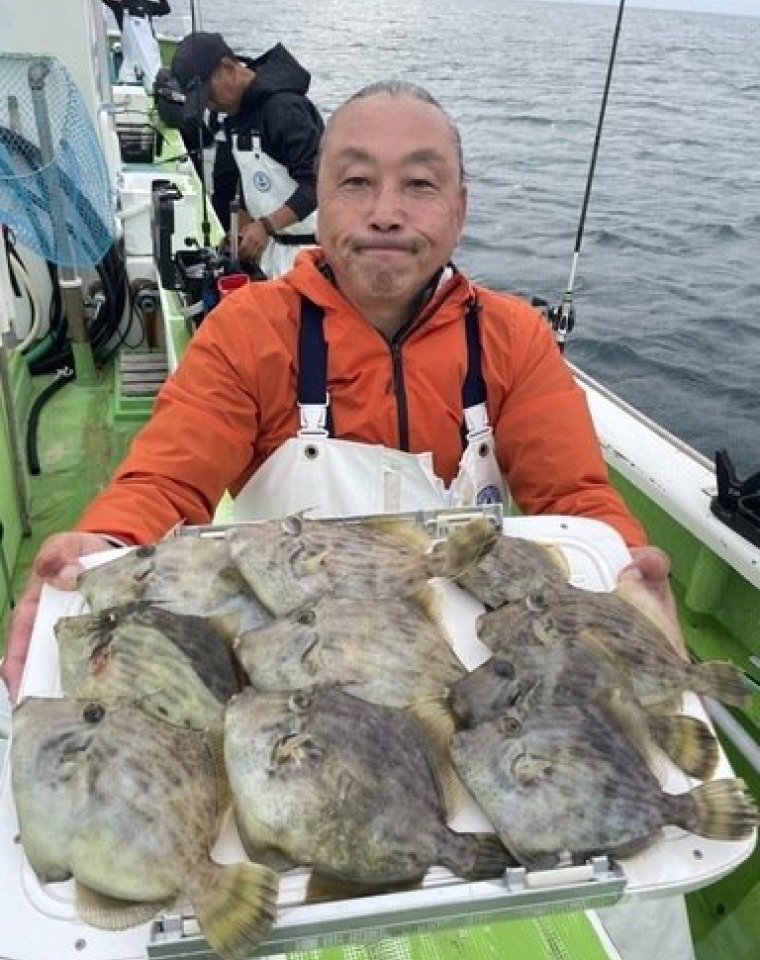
667, 292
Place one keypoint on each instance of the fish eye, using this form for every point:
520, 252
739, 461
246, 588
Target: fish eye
292, 526
93, 713
503, 668
109, 618
536, 601
307, 618
145, 551
301, 700
510, 726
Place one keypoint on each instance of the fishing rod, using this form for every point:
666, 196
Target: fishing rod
563, 317
205, 222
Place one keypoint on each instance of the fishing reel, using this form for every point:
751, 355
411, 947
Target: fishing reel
561, 317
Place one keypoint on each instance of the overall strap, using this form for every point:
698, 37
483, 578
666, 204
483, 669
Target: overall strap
313, 399
474, 392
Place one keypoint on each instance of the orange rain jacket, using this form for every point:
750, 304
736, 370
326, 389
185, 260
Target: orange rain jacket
232, 402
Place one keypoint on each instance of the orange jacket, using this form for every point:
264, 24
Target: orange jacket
232, 402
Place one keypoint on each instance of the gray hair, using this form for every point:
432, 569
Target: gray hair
399, 88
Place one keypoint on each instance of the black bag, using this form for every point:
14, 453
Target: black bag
170, 100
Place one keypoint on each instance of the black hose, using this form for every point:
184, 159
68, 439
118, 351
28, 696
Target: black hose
65, 375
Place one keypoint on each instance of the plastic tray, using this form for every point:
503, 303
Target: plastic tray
37, 922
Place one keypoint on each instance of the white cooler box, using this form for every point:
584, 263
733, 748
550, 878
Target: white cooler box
37, 922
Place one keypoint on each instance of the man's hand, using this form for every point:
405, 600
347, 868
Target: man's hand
252, 241
644, 582
57, 563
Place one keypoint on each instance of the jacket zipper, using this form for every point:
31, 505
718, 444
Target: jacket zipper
397, 367
399, 390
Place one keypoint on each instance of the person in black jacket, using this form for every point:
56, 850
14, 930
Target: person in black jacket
273, 131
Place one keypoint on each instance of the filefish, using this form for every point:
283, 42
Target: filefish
346, 787
512, 569
606, 621
178, 668
129, 807
565, 780
391, 652
291, 562
570, 672
189, 575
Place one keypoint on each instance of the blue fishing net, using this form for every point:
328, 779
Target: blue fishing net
55, 192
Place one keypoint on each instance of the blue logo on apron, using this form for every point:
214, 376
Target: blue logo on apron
261, 181
489, 494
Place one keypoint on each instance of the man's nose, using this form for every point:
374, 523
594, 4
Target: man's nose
387, 208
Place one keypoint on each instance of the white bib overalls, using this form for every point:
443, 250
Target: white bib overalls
266, 186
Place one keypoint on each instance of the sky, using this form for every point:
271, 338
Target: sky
746, 7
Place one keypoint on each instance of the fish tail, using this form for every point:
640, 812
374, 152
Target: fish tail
235, 906
688, 741
465, 546
721, 680
721, 809
491, 858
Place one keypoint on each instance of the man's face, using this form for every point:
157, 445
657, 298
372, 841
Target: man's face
226, 87
391, 200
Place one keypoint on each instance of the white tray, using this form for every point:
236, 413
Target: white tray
37, 922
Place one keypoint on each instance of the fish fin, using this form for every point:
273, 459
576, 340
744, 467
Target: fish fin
464, 547
430, 602
227, 625
721, 680
721, 809
322, 887
235, 906
491, 858
637, 595
214, 740
111, 913
629, 717
404, 531
558, 557
438, 725
688, 741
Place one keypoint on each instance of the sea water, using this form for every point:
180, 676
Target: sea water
667, 292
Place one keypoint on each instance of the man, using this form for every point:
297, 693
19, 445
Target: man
273, 130
411, 355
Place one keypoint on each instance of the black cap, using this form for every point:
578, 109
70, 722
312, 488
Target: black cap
195, 59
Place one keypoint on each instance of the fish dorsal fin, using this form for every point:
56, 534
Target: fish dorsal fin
430, 602
558, 557
631, 720
438, 726
635, 594
404, 531
214, 740
110, 913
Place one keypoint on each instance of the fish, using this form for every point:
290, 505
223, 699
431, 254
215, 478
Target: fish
189, 575
291, 562
565, 780
177, 667
513, 568
391, 652
569, 672
129, 806
346, 787
659, 675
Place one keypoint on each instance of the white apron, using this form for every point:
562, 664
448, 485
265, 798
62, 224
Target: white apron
266, 186
141, 55
340, 478
343, 478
